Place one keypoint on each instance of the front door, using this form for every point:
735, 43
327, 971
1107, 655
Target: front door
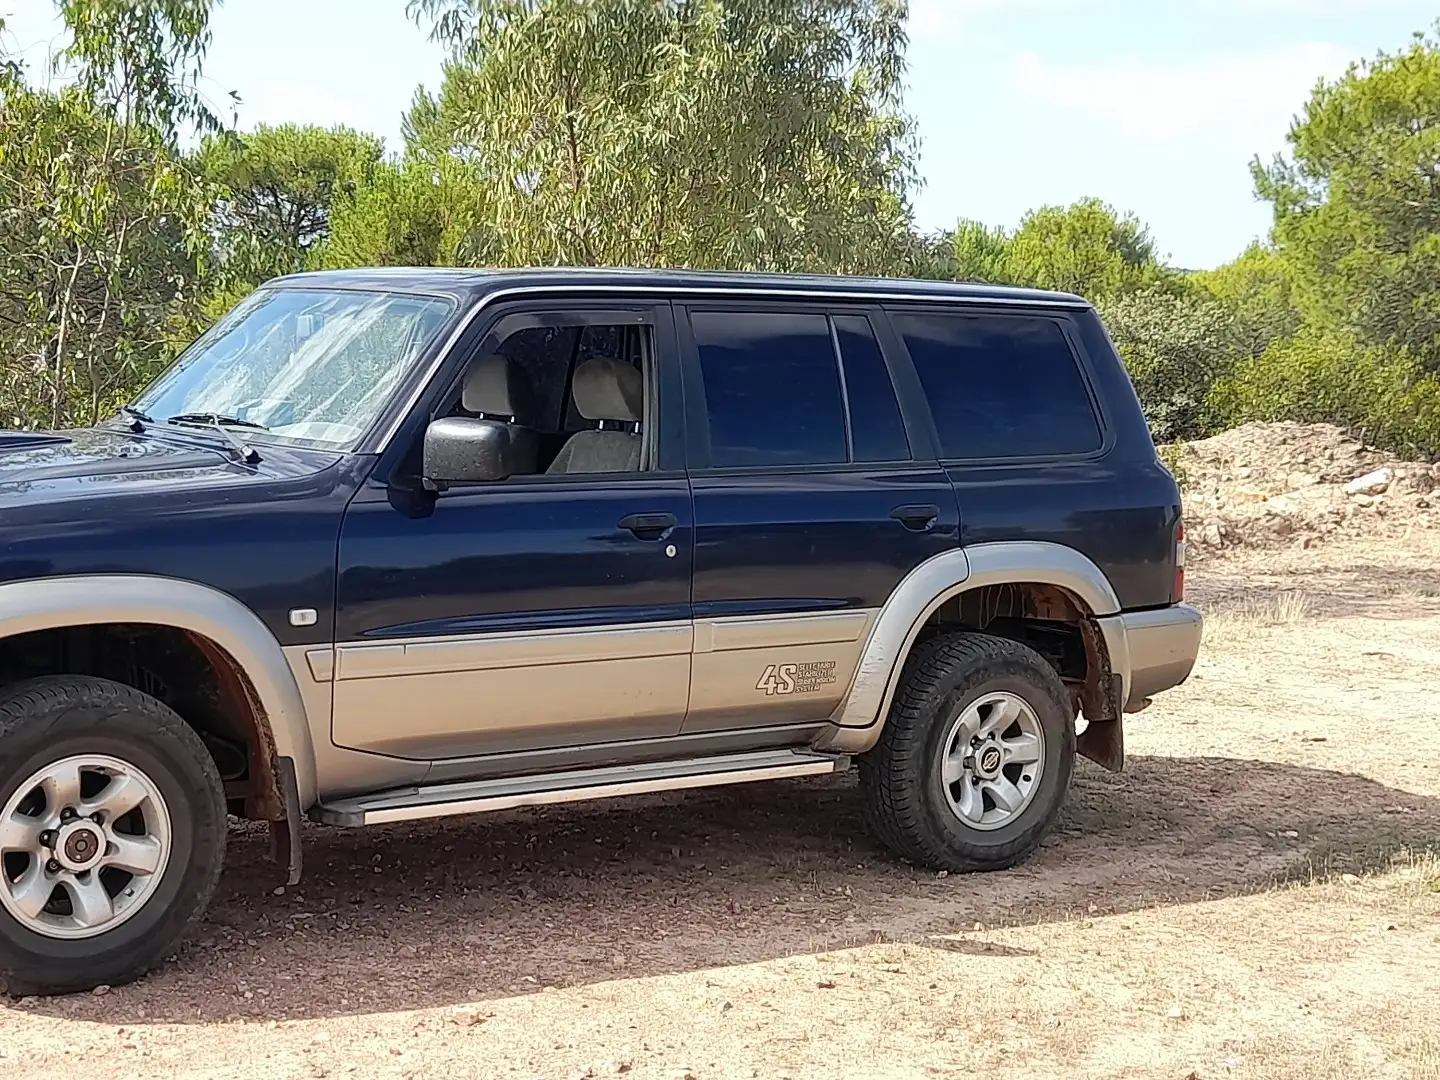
814, 497
550, 610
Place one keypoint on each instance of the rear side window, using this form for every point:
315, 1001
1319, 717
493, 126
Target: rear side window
877, 428
772, 388
1001, 386
790, 388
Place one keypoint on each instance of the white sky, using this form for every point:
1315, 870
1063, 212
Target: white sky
1155, 106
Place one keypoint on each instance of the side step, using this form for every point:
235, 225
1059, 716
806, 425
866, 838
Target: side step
482, 796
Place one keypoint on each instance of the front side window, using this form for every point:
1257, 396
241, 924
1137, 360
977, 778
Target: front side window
313, 366
1001, 386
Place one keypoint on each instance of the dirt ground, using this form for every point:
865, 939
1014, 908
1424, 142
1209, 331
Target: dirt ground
1257, 896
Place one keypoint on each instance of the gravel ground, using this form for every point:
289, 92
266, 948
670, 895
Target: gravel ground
1232, 905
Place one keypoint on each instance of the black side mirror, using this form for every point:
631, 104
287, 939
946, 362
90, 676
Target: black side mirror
464, 450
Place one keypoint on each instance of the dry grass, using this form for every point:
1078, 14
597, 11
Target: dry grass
1257, 896
1248, 619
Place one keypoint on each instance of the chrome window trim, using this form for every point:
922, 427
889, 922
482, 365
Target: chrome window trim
839, 295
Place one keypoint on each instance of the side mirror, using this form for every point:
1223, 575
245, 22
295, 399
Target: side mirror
464, 450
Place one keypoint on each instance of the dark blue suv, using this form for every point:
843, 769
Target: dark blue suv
396, 544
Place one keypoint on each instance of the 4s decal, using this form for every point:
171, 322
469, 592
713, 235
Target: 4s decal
796, 678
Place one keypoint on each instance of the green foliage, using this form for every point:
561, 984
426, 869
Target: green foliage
747, 134
981, 254
1258, 288
703, 133
142, 57
1087, 249
1175, 346
1357, 207
1382, 392
420, 213
101, 223
274, 190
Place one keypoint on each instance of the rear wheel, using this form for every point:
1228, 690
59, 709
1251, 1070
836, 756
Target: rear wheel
112, 833
976, 755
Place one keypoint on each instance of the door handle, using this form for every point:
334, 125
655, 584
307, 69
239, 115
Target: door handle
648, 526
916, 518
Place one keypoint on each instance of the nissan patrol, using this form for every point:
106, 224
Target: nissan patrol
395, 544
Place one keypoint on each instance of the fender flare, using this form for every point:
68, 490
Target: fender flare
51, 603
855, 726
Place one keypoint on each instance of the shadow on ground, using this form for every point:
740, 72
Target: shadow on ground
442, 913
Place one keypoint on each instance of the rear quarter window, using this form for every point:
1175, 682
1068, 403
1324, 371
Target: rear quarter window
1001, 386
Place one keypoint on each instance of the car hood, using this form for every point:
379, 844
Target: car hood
61, 465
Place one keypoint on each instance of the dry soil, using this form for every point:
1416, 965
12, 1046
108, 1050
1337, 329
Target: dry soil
1257, 896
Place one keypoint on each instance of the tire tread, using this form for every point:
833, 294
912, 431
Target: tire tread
36, 706
894, 788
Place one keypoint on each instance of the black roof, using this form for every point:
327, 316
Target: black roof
466, 284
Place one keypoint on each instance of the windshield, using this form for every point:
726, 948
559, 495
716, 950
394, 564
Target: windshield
310, 365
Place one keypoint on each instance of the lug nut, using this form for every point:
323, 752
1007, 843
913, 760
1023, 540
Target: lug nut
98, 818
52, 866
47, 838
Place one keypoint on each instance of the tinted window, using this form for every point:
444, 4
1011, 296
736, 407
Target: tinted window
877, 429
1001, 386
772, 388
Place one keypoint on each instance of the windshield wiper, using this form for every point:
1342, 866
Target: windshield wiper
210, 419
247, 454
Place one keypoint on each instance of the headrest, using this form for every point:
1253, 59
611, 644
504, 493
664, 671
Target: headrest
607, 389
496, 386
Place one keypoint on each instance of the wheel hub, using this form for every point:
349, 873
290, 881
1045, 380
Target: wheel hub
79, 846
988, 760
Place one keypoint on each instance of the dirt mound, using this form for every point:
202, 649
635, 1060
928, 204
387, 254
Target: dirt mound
1271, 485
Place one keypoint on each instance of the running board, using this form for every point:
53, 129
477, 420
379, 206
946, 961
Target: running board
483, 796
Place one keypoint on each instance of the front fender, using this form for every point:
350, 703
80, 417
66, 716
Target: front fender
855, 726
49, 603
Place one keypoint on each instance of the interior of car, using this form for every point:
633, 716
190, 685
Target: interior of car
576, 398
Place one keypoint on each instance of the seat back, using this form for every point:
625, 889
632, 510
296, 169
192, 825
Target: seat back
608, 392
496, 388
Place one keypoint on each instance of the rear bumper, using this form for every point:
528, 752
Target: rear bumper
1158, 647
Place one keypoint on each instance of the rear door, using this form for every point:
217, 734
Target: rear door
813, 497
1030, 446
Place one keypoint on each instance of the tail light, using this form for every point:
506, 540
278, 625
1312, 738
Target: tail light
1178, 591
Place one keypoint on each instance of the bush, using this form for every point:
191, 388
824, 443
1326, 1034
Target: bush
1175, 348
1382, 393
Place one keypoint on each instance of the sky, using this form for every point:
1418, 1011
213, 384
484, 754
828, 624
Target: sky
1155, 106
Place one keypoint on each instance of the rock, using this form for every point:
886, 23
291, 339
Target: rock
1363, 500
1210, 535
1375, 483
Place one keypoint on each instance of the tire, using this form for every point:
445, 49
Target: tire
172, 842
910, 806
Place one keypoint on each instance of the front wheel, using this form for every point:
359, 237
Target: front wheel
975, 758
112, 833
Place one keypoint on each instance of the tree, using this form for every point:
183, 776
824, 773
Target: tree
982, 254
1175, 347
706, 133
275, 187
101, 221
1086, 248
1258, 289
1357, 203
418, 213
